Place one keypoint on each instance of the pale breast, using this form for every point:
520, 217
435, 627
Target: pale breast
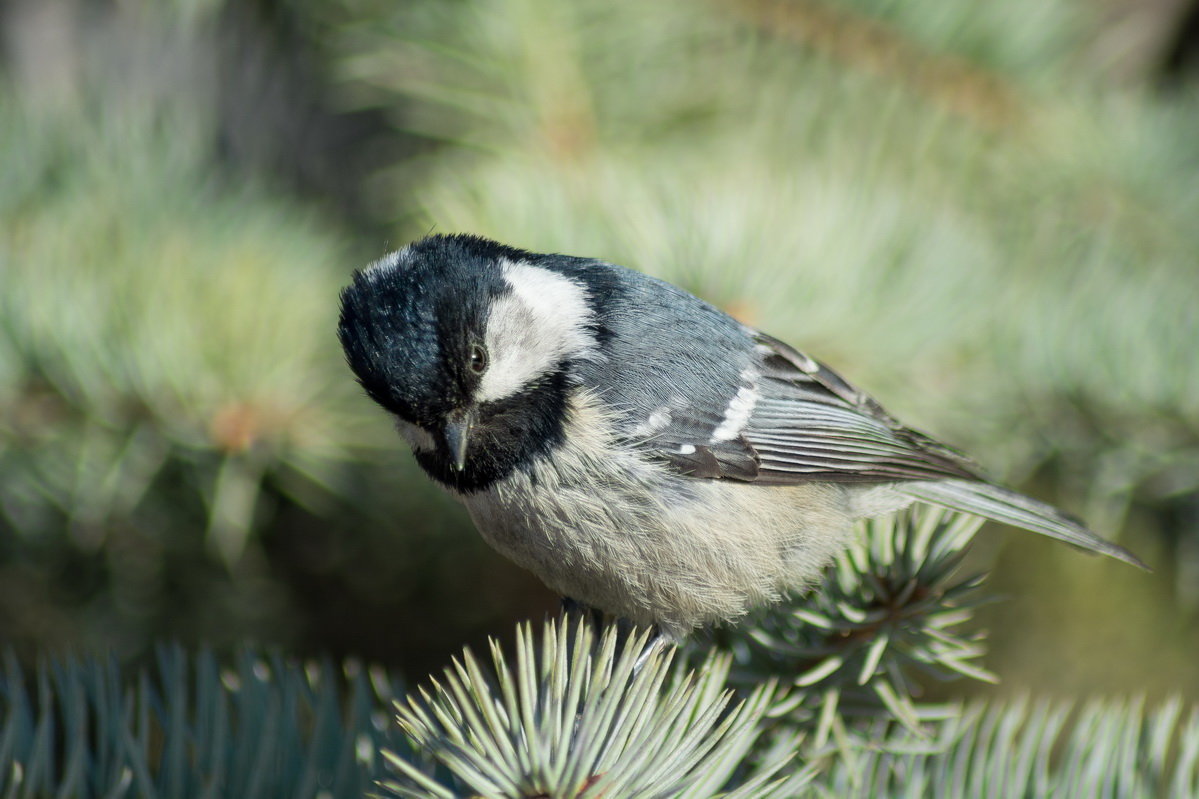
613, 530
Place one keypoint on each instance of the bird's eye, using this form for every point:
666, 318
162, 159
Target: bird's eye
478, 359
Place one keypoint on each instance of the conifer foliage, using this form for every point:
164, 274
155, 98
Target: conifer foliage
813, 698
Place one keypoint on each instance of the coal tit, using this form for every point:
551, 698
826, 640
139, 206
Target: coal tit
639, 450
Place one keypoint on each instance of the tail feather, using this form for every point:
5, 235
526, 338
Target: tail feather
1006, 506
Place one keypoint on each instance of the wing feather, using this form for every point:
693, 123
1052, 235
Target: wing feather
807, 424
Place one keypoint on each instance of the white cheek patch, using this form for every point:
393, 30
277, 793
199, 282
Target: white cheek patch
532, 329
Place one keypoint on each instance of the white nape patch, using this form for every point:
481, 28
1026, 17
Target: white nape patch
387, 262
686, 449
418, 438
657, 421
531, 330
740, 407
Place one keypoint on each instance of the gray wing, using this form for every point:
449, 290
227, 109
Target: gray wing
793, 420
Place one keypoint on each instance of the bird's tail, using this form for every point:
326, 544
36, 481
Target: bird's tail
1006, 506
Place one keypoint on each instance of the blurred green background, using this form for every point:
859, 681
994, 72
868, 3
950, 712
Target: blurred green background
986, 214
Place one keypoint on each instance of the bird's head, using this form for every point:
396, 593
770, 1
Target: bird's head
469, 343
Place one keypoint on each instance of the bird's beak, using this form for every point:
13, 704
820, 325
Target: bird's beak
457, 435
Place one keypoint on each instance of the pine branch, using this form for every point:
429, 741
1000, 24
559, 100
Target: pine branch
1036, 750
570, 716
268, 727
889, 612
581, 716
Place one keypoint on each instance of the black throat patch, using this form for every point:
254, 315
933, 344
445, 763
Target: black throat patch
510, 434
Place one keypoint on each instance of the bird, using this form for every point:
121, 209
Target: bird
642, 452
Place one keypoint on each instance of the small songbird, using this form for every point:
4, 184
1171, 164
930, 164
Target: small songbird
639, 450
